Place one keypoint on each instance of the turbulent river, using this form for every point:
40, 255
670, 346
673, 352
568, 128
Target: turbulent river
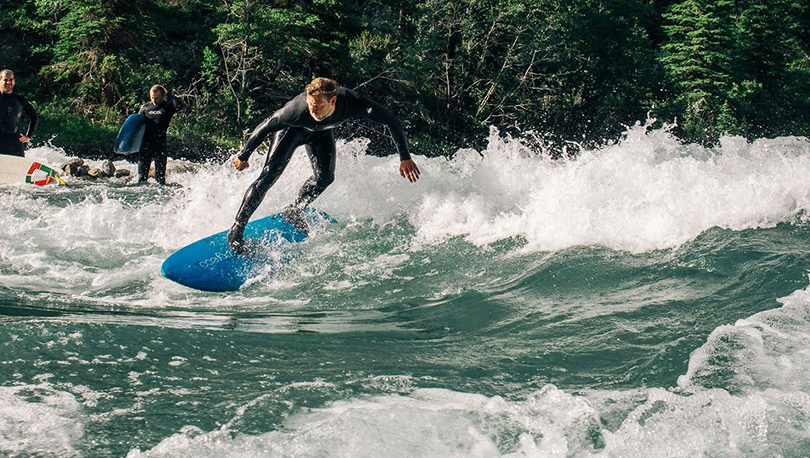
647, 298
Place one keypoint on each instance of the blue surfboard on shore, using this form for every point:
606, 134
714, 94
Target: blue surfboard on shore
210, 265
131, 135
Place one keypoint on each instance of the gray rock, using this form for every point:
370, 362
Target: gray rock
73, 166
122, 173
107, 168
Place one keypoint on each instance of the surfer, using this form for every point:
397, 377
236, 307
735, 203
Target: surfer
158, 111
308, 120
12, 106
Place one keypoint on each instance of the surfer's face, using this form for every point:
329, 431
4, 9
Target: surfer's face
320, 107
7, 83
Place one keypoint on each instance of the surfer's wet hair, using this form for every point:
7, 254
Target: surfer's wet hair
158, 87
326, 86
5, 72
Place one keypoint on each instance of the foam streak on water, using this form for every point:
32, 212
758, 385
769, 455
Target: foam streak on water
648, 298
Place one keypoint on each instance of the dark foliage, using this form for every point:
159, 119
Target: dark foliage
560, 71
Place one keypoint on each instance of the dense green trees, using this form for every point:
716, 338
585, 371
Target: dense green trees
554, 70
773, 67
698, 63
738, 67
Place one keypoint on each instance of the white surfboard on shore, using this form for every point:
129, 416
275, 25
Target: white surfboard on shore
16, 169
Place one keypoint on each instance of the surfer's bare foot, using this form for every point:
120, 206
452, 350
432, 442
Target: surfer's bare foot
236, 239
295, 216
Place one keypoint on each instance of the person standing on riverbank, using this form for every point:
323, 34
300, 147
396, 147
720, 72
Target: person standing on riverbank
12, 107
158, 111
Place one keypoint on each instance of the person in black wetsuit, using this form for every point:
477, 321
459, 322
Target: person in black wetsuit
12, 106
308, 120
159, 111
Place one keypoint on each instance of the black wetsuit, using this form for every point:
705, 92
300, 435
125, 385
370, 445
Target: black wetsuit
153, 146
12, 106
294, 126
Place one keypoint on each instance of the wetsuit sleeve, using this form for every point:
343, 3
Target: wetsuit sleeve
260, 133
375, 112
33, 116
281, 119
143, 109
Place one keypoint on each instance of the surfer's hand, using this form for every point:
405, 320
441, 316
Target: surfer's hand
24, 139
240, 165
409, 170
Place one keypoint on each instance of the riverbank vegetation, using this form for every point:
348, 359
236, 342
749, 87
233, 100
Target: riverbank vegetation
559, 72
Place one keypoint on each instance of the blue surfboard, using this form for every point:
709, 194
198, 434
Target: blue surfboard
131, 135
210, 265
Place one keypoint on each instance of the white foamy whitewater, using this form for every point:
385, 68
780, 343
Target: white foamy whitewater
370, 344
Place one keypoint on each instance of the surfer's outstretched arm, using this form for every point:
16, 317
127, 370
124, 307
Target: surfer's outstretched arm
373, 111
381, 115
260, 133
283, 118
258, 137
